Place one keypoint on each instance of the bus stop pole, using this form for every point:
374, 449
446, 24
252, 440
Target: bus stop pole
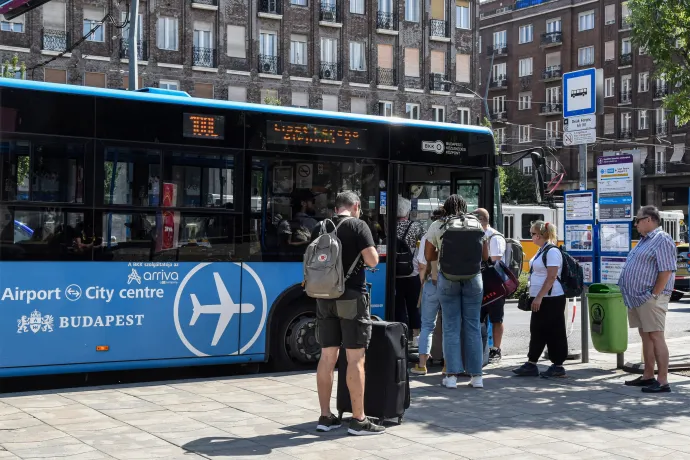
584, 310
133, 45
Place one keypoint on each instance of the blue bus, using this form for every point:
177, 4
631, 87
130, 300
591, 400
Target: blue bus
152, 229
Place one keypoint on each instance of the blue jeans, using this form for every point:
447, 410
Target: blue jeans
461, 304
430, 308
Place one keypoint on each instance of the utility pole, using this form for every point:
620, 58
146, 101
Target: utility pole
133, 45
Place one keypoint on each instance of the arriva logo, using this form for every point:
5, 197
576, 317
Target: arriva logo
208, 307
134, 277
162, 276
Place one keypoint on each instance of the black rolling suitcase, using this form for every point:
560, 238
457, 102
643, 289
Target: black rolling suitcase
387, 387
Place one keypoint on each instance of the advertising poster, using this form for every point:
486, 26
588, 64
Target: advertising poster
587, 264
611, 268
578, 237
579, 206
615, 187
169, 221
615, 237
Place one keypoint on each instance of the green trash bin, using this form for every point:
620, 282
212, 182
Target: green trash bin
608, 318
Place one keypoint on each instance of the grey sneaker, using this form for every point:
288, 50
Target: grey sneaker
494, 355
328, 423
364, 427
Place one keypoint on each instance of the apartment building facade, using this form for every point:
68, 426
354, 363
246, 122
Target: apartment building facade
406, 58
527, 45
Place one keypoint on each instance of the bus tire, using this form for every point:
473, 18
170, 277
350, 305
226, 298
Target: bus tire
293, 344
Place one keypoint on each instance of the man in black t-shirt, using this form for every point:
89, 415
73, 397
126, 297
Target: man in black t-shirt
347, 320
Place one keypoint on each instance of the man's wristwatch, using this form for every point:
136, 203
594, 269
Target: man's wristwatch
655, 296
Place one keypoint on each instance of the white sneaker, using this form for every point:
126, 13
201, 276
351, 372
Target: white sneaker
451, 381
415, 342
477, 382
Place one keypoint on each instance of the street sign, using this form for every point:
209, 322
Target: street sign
583, 136
579, 93
578, 123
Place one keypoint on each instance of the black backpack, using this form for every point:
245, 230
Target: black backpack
462, 243
572, 275
404, 265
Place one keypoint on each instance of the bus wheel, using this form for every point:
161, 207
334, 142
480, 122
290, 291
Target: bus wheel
294, 345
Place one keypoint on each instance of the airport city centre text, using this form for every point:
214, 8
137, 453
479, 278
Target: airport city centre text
91, 293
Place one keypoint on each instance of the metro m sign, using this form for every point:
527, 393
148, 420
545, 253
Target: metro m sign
13, 8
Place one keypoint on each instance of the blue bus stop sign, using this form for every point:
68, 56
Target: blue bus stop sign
580, 93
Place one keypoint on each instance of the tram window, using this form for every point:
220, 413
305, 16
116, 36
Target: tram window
43, 171
200, 180
131, 176
527, 220
301, 193
508, 225
426, 198
38, 234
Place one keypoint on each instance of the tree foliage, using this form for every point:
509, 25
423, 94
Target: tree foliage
270, 100
663, 28
13, 69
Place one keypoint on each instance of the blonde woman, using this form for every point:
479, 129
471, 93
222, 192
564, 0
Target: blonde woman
547, 326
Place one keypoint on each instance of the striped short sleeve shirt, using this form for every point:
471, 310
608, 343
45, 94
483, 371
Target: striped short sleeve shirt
656, 252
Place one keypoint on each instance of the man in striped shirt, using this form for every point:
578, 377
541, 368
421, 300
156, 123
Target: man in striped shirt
646, 283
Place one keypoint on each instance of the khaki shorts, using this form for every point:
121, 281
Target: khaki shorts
650, 316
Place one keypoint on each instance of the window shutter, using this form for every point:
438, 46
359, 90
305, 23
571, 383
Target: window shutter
462, 68
297, 38
300, 99
204, 90
678, 151
330, 102
237, 93
94, 79
358, 105
462, 3
203, 26
55, 76
438, 10
412, 62
93, 13
610, 14
609, 123
385, 56
553, 59
610, 51
125, 82
237, 42
438, 62
54, 15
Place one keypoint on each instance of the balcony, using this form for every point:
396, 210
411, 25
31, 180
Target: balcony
54, 40
330, 71
269, 64
625, 59
554, 142
551, 38
439, 28
499, 116
519, 4
142, 51
386, 77
439, 82
271, 7
203, 57
626, 96
625, 134
502, 10
660, 91
386, 21
551, 73
500, 49
551, 108
413, 82
661, 129
499, 83
525, 83
329, 13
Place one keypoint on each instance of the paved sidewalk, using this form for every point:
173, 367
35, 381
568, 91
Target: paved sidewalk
588, 415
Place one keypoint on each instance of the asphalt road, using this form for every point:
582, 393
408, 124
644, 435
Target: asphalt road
516, 335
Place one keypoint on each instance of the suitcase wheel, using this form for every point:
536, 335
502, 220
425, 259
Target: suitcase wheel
400, 419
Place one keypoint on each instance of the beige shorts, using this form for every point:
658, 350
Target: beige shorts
650, 316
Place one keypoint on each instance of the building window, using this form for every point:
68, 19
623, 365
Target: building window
609, 123
525, 133
169, 84
358, 60
204, 90
527, 171
357, 6
237, 93
462, 68
500, 39
610, 13
385, 108
15, 25
439, 113
660, 116
525, 67
553, 95
626, 122
499, 104
299, 2
499, 72
411, 62
626, 47
268, 44
500, 135
609, 87
94, 79
268, 95
167, 34
55, 76
526, 33
642, 120
412, 111
298, 49
412, 10
92, 20
586, 21
464, 116
237, 42
553, 129
553, 25
462, 14
330, 102
525, 101
585, 56
300, 99
625, 14
610, 51
643, 82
